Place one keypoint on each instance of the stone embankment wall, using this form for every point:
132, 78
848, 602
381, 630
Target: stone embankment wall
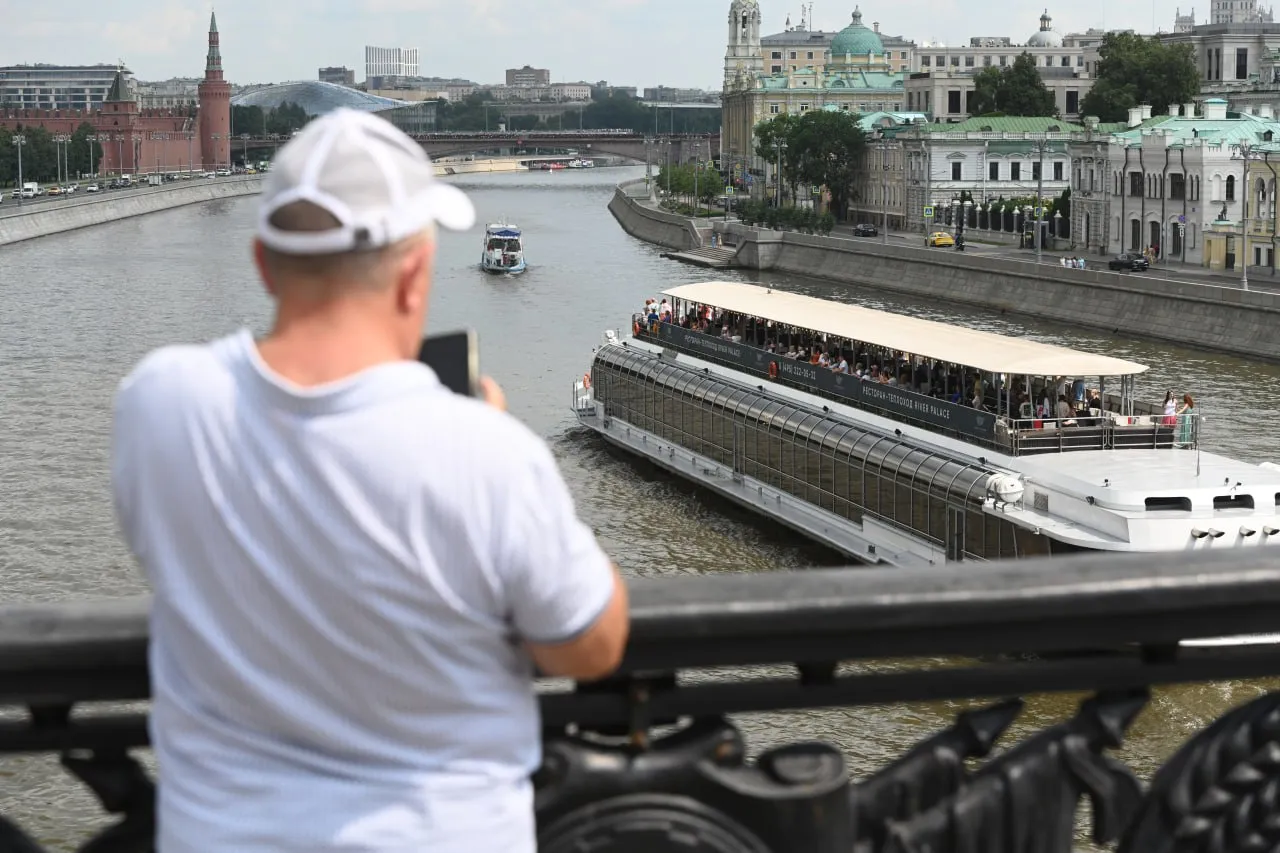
651, 224
1222, 318
45, 218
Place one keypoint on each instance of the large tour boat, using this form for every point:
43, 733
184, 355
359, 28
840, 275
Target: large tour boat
955, 445
503, 250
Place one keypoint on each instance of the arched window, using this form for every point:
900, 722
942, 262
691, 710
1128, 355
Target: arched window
1231, 187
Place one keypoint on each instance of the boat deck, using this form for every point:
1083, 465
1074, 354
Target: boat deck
1123, 480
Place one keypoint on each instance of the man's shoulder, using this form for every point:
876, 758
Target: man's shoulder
172, 368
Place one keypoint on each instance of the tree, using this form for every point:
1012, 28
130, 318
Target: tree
986, 91
471, 113
831, 147
8, 158
1014, 90
83, 156
251, 120
286, 118
824, 148
769, 135
1134, 70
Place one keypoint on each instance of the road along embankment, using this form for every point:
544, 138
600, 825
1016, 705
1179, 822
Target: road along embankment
1223, 318
46, 218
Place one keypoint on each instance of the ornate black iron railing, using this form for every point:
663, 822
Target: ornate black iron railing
1110, 626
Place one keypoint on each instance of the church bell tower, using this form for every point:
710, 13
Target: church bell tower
743, 59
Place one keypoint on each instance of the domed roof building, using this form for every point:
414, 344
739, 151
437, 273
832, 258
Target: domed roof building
855, 40
1046, 37
317, 98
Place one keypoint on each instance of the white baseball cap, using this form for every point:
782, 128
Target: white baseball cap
376, 181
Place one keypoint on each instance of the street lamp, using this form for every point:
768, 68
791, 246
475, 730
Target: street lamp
697, 158
191, 136
1040, 146
92, 139
1244, 217
162, 138
19, 140
120, 153
244, 137
214, 137
883, 148
960, 210
137, 150
782, 147
60, 141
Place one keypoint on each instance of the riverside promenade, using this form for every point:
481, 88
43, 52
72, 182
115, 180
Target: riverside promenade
19, 222
1200, 310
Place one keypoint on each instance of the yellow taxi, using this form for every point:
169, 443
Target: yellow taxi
939, 238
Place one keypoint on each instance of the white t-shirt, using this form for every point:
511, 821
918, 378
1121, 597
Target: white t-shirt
340, 574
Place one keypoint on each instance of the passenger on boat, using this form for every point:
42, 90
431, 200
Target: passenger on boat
1170, 409
1186, 420
841, 366
1026, 411
664, 312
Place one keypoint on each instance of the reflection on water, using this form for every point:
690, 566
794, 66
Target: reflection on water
79, 313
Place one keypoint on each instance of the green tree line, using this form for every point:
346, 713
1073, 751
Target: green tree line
684, 181
820, 148
1012, 90
1132, 70
40, 154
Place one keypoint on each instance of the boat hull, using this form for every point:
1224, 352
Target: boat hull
494, 269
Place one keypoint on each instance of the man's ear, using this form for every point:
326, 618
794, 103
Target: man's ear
413, 277
264, 271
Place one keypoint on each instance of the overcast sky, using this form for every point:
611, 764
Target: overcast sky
627, 42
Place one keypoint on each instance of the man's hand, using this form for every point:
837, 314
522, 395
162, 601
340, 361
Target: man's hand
492, 394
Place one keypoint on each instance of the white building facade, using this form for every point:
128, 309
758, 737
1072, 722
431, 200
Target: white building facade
391, 61
992, 160
1174, 181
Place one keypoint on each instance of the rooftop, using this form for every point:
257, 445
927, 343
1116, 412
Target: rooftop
985, 351
1007, 124
1180, 130
315, 97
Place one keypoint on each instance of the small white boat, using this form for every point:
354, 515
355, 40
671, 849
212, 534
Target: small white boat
503, 249
582, 164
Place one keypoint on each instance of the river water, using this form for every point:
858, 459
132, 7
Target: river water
82, 308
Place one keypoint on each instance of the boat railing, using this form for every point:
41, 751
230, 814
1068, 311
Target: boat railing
1088, 429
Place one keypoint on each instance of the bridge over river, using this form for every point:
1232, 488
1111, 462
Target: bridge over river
615, 143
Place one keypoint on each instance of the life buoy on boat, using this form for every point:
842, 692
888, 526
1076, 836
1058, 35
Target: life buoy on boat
586, 381
773, 370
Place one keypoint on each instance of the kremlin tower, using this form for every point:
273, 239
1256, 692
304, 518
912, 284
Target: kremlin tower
215, 107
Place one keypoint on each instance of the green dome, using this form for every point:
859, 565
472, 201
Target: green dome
855, 40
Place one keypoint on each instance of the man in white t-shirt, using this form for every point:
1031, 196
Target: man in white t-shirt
354, 569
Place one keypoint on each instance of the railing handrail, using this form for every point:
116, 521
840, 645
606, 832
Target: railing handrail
1037, 605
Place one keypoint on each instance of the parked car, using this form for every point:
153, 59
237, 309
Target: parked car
940, 238
1129, 262
92, 188
865, 229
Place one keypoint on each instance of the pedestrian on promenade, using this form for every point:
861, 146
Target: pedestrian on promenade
355, 570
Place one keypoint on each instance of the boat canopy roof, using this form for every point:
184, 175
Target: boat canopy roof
502, 231
985, 351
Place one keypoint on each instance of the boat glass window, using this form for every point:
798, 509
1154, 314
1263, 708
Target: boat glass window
1233, 502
